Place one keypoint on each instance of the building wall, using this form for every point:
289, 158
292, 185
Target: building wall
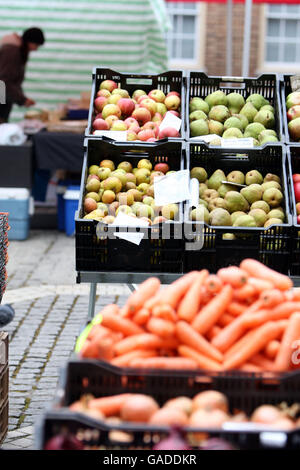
216, 30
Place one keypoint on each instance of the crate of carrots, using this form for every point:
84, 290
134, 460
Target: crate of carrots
242, 318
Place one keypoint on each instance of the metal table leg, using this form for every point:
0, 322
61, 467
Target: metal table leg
92, 301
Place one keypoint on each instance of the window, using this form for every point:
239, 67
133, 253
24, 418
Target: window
282, 36
183, 40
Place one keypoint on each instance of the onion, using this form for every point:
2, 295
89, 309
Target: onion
169, 417
217, 444
203, 418
266, 414
174, 441
283, 424
138, 408
182, 403
211, 400
64, 442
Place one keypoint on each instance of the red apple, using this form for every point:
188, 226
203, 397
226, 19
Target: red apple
157, 95
137, 93
146, 134
126, 106
168, 132
176, 113
157, 118
297, 191
98, 116
100, 125
173, 93
298, 208
104, 93
131, 135
163, 167
109, 85
150, 105
111, 109
298, 219
153, 126
141, 98
130, 121
293, 112
296, 177
99, 103
172, 102
142, 115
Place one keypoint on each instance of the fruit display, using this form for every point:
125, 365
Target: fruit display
139, 113
296, 188
243, 317
231, 116
238, 199
112, 189
293, 115
205, 410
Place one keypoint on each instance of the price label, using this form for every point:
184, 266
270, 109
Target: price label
172, 188
120, 136
170, 120
237, 143
295, 82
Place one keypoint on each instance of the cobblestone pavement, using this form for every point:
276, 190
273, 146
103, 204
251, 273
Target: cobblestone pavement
50, 308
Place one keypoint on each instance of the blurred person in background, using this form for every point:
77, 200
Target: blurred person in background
14, 54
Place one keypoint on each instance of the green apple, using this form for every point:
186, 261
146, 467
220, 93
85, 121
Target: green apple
93, 169
112, 183
144, 163
142, 176
143, 188
126, 166
103, 173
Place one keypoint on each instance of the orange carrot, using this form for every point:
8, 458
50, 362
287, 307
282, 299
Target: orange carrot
206, 296
145, 291
260, 285
173, 293
244, 293
233, 275
213, 284
187, 335
179, 363
94, 331
117, 323
214, 331
272, 297
225, 319
291, 335
164, 311
161, 327
190, 304
238, 344
236, 308
272, 349
202, 361
262, 337
141, 316
284, 310
260, 271
109, 406
210, 313
89, 350
261, 361
124, 360
250, 367
255, 319
143, 341
124, 311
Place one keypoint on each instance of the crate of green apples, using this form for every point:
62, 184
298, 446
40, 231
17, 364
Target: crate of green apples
137, 105
119, 226
233, 108
243, 207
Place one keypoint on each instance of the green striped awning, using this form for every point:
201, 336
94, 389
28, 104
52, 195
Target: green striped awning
124, 35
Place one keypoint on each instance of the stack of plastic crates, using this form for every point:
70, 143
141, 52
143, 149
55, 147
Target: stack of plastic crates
4, 227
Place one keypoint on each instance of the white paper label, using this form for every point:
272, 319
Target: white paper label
237, 143
207, 138
194, 190
172, 188
120, 136
170, 120
123, 220
295, 82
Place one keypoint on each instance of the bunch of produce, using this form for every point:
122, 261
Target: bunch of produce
208, 409
110, 190
140, 115
296, 186
293, 115
231, 116
243, 317
258, 204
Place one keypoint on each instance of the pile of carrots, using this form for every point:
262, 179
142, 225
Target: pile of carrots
244, 317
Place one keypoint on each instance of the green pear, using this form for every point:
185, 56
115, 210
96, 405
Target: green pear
202, 188
253, 177
245, 221
215, 127
199, 127
231, 133
273, 197
195, 115
273, 221
236, 176
266, 118
259, 216
216, 98
270, 184
268, 107
254, 129
199, 173
276, 214
216, 179
236, 202
260, 205
243, 120
224, 188
199, 214
235, 215
235, 100
219, 113
249, 111
233, 122
257, 100
217, 202
198, 104
252, 193
220, 217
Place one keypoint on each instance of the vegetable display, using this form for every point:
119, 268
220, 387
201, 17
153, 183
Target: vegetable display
243, 317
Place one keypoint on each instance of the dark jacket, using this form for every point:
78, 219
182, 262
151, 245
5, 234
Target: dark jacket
12, 68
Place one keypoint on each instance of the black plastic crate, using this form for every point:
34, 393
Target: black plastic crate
293, 156
271, 246
245, 391
199, 84
172, 80
161, 249
285, 90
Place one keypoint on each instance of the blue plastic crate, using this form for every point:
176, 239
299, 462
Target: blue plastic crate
15, 201
71, 199
62, 187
